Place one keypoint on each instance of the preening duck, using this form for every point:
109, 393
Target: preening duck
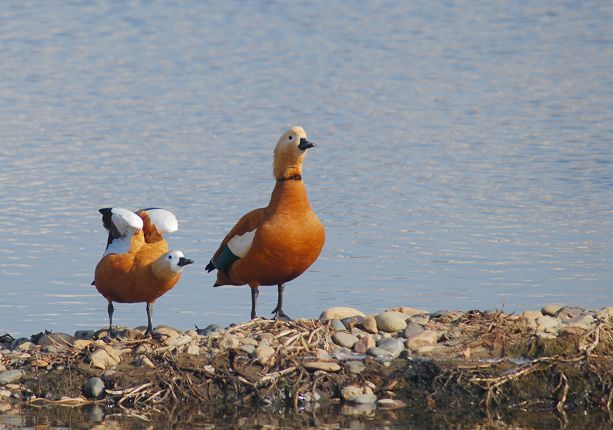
136, 265
275, 244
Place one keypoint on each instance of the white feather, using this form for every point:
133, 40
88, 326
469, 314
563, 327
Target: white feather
126, 221
163, 220
119, 246
240, 244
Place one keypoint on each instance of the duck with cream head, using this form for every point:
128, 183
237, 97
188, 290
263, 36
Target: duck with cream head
275, 244
136, 265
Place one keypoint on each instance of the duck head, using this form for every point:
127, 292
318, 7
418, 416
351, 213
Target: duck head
170, 264
290, 152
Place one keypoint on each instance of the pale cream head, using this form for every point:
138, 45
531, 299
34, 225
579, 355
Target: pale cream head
290, 152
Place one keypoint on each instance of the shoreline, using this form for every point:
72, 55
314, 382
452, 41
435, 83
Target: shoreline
558, 359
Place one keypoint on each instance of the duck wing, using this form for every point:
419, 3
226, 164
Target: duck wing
238, 240
156, 223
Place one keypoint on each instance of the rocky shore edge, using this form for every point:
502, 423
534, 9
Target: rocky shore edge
559, 358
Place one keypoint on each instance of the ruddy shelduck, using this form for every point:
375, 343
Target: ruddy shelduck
136, 265
275, 244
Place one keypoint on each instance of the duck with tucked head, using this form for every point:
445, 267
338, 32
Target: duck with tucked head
136, 265
275, 244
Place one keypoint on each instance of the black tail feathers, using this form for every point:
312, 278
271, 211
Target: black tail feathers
210, 267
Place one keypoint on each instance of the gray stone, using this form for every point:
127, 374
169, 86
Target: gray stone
104, 357
94, 388
144, 361
393, 345
364, 399
585, 322
449, 316
229, 341
326, 366
420, 319
551, 309
425, 338
264, 354
11, 376
19, 341
337, 325
391, 322
379, 352
84, 334
548, 324
355, 367
59, 340
340, 312
362, 345
369, 324
344, 339
210, 329
567, 313
249, 349
350, 322
412, 330
409, 311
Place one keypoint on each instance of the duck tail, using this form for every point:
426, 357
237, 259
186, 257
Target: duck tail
210, 267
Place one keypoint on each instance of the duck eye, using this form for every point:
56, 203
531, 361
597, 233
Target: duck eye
291, 137
170, 257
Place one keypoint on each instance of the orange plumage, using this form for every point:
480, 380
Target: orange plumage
288, 235
137, 266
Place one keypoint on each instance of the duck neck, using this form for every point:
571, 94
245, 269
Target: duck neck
289, 193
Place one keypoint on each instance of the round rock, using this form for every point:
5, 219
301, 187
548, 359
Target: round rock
391, 322
551, 309
340, 312
344, 339
93, 388
321, 365
10, 376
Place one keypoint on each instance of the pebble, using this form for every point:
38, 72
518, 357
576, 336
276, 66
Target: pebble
379, 352
391, 404
84, 334
350, 322
364, 399
350, 392
229, 341
569, 312
194, 349
355, 367
5, 393
143, 348
362, 345
58, 340
450, 316
40, 363
547, 324
337, 325
551, 309
585, 322
369, 324
210, 329
18, 342
531, 315
264, 354
81, 343
420, 319
103, 358
326, 366
344, 339
249, 349
25, 346
393, 345
10, 376
93, 388
144, 361
170, 332
340, 312
425, 338
412, 330
391, 322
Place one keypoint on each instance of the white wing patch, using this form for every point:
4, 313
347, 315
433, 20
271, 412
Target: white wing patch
240, 244
119, 246
163, 220
126, 221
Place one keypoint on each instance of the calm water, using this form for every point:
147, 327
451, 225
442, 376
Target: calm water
465, 155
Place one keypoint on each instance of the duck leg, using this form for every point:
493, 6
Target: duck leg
278, 311
110, 309
149, 330
255, 292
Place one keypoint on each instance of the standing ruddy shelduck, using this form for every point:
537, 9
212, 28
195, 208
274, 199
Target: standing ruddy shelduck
136, 266
275, 244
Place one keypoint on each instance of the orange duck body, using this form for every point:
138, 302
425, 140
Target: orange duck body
275, 244
137, 266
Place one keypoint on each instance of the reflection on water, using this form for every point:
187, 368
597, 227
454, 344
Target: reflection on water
464, 156
329, 417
